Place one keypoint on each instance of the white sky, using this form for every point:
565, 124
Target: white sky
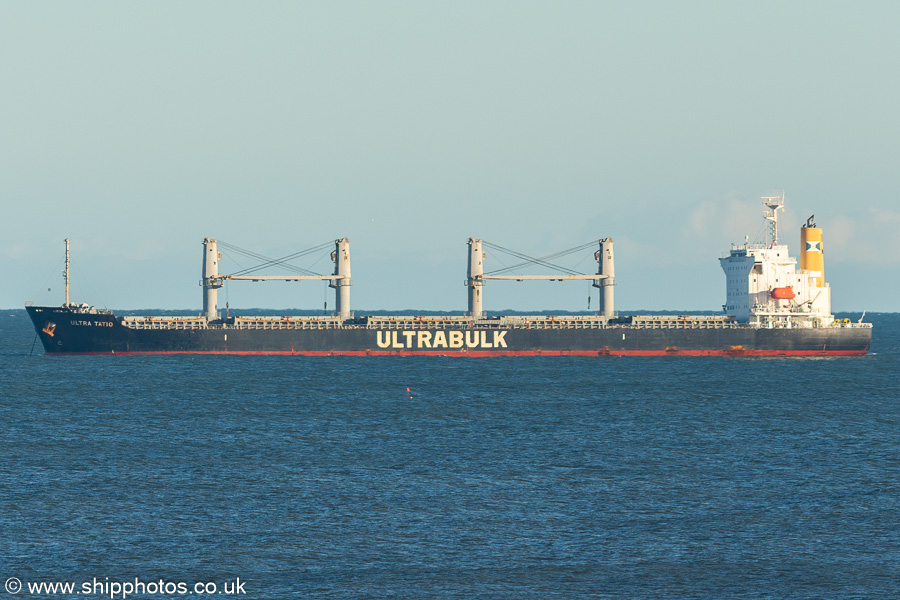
136, 129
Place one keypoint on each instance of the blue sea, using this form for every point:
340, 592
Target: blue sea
506, 478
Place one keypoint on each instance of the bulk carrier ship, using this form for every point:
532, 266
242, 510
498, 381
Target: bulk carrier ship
772, 309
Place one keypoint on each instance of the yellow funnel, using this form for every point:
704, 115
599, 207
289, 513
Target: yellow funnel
811, 254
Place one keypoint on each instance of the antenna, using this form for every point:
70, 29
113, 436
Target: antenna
771, 215
66, 272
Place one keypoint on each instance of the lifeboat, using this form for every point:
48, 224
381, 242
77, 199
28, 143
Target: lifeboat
783, 293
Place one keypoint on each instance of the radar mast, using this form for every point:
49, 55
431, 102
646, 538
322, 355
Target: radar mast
773, 203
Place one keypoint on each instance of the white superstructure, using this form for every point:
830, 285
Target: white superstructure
764, 287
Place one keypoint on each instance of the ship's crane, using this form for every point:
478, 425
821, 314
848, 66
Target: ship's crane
604, 278
340, 279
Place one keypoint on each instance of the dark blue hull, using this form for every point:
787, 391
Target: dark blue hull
67, 331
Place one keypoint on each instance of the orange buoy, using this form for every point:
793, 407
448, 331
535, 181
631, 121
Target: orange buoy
783, 293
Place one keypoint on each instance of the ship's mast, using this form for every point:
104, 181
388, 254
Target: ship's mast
475, 279
606, 268
341, 282
211, 281
771, 215
66, 272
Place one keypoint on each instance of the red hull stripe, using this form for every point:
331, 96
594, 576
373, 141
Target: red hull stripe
487, 353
